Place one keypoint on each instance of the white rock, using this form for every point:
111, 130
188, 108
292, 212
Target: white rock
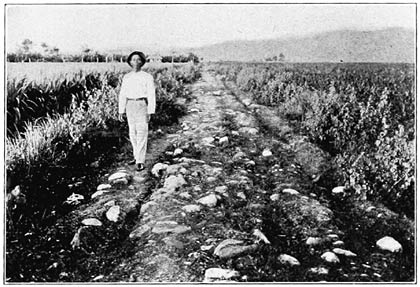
287, 259
219, 273
247, 130
238, 156
275, 197
16, 191
235, 133
330, 257
319, 270
194, 110
261, 236
197, 188
241, 194
389, 244
250, 163
206, 247
103, 186
117, 175
333, 236
216, 163
110, 203
174, 182
221, 189
121, 181
187, 160
227, 246
209, 200
370, 208
290, 191
74, 198
313, 241
217, 93
266, 153
178, 151
113, 213
247, 102
158, 167
185, 195
99, 277
338, 189
91, 222
208, 140
140, 231
338, 243
98, 193
191, 208
344, 252
146, 206
223, 140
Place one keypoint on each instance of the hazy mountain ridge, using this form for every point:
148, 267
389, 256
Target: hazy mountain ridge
387, 45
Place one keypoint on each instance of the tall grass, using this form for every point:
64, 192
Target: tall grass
49, 139
36, 96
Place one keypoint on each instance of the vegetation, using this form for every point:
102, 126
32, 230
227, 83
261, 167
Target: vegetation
363, 114
34, 99
49, 141
46, 53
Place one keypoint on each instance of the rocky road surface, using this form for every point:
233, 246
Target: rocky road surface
235, 195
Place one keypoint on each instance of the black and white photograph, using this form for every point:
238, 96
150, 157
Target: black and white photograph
221, 143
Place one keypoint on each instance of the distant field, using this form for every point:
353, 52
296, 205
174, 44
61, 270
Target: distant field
40, 71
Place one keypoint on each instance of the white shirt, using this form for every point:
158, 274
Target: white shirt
137, 85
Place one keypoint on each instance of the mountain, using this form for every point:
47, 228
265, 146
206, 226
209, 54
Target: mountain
386, 45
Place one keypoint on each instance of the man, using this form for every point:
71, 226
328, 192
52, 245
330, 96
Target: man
137, 99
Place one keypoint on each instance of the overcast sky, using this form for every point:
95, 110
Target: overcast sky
100, 27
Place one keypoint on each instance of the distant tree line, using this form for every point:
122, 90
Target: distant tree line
276, 58
26, 53
181, 58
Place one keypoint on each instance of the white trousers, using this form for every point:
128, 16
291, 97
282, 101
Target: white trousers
138, 128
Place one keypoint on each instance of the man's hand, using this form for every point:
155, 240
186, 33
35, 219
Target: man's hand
121, 117
148, 117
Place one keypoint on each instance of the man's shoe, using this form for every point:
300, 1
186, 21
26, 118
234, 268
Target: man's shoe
140, 167
131, 162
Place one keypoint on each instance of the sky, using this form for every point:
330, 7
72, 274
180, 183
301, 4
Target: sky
160, 26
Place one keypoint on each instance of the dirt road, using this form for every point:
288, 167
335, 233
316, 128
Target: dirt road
236, 195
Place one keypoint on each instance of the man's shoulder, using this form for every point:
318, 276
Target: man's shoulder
146, 74
128, 75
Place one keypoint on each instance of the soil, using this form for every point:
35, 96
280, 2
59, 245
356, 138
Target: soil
156, 239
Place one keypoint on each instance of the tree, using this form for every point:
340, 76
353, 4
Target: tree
281, 57
45, 47
192, 58
27, 45
25, 48
86, 52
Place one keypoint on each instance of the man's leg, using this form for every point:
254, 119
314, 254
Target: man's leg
132, 132
141, 142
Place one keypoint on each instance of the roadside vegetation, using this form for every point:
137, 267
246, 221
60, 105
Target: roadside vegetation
361, 114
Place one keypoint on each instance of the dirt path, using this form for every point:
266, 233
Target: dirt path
233, 195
